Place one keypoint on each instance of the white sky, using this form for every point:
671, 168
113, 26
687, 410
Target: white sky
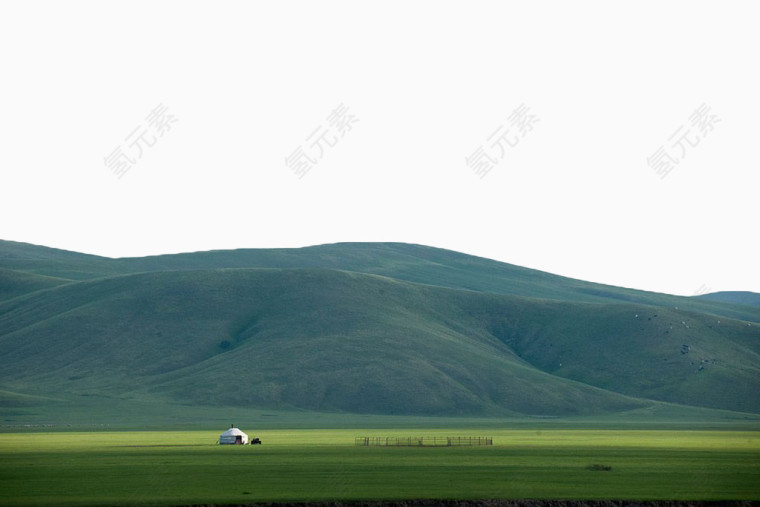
429, 82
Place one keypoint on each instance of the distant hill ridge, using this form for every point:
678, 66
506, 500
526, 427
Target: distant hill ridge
414, 263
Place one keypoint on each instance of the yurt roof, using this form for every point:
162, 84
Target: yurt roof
233, 432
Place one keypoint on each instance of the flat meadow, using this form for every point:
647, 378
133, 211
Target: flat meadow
187, 467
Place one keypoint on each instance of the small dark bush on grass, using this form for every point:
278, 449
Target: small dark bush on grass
596, 467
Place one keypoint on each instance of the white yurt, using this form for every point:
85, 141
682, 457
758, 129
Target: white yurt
233, 436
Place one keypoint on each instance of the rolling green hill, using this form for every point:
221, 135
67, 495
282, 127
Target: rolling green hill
735, 297
317, 330
16, 283
329, 340
53, 262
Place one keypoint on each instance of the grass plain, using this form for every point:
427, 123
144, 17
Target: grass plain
589, 391
186, 467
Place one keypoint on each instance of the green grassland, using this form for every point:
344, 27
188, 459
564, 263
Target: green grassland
315, 346
186, 467
93, 413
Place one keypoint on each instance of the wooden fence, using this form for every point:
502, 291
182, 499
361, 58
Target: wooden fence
423, 441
